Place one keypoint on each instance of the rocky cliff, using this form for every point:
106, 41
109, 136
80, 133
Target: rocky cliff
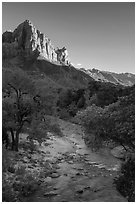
27, 40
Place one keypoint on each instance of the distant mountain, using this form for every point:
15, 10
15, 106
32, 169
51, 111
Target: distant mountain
125, 79
29, 49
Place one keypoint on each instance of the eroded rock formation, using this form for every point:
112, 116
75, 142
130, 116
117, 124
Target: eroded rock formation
28, 40
62, 55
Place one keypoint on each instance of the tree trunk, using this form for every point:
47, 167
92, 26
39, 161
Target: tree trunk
17, 140
13, 139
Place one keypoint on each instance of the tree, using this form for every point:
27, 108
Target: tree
90, 119
18, 102
26, 103
113, 122
120, 118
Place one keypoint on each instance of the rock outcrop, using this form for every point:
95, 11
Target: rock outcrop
62, 55
27, 40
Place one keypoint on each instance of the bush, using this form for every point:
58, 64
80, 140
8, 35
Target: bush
27, 185
91, 120
21, 170
54, 128
64, 114
8, 193
115, 122
125, 183
22, 184
6, 162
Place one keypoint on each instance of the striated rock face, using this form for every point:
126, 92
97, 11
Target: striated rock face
28, 40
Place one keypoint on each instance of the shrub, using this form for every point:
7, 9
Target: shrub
90, 119
5, 160
8, 193
125, 183
115, 123
64, 114
27, 185
54, 128
21, 170
17, 184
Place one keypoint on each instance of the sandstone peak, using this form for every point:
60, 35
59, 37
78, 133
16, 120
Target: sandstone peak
28, 40
28, 21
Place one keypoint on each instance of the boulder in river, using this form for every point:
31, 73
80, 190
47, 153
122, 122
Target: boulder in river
119, 152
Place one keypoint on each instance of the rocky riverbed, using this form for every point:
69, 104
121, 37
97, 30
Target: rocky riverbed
75, 172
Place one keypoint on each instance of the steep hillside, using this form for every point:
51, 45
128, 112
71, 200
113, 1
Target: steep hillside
61, 75
125, 79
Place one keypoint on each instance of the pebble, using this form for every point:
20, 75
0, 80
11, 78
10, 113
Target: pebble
92, 162
31, 167
51, 193
80, 168
21, 154
24, 161
62, 160
70, 162
59, 159
55, 188
11, 169
72, 154
86, 154
40, 181
35, 165
48, 179
87, 187
78, 174
87, 159
80, 191
45, 152
54, 175
57, 167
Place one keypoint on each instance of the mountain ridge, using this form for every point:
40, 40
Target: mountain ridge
126, 79
31, 50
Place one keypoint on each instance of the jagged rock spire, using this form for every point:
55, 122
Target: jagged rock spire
29, 40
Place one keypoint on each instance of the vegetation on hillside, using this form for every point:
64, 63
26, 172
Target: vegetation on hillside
70, 101
25, 109
106, 111
114, 123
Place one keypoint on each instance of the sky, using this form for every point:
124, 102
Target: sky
97, 35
